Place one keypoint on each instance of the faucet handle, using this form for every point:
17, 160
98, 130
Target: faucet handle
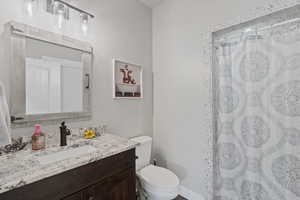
63, 124
68, 131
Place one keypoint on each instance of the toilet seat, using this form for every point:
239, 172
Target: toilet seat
159, 181
159, 177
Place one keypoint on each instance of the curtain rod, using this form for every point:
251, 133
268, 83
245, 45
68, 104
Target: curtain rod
251, 29
74, 8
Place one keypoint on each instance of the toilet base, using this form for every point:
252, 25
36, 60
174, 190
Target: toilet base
151, 196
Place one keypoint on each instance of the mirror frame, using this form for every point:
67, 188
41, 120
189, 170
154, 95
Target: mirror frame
17, 34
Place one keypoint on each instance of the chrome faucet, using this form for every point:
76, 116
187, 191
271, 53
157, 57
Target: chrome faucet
64, 132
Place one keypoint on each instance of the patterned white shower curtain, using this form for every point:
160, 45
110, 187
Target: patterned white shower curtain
257, 112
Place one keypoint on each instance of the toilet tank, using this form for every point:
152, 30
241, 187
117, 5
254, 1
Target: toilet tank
143, 151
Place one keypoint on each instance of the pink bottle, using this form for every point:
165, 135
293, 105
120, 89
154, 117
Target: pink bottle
38, 138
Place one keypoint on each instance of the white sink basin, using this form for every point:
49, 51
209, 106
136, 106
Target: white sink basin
66, 154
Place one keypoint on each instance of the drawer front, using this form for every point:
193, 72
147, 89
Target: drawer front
62, 185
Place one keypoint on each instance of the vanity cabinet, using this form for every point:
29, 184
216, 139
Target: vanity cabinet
112, 178
116, 187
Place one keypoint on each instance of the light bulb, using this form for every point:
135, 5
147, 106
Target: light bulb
84, 23
29, 9
60, 20
84, 28
30, 6
247, 30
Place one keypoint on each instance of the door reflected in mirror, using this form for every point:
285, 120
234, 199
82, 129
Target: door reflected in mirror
54, 78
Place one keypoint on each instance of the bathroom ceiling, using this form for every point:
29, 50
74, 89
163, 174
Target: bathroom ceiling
151, 3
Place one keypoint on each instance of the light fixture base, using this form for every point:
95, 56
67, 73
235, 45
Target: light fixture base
50, 8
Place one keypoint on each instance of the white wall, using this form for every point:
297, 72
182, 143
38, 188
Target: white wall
182, 76
121, 29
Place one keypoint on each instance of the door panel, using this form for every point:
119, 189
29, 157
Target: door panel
121, 186
118, 187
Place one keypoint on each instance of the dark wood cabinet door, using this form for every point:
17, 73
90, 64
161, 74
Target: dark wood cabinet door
76, 196
95, 193
117, 187
121, 186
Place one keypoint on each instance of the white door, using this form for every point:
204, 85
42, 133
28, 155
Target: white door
71, 84
43, 86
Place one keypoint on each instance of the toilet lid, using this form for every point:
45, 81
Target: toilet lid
159, 177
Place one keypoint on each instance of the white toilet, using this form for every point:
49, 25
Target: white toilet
159, 183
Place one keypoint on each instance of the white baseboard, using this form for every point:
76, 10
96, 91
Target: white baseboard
189, 194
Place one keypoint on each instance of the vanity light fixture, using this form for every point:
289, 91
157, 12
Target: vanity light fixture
61, 9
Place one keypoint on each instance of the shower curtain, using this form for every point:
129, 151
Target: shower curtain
257, 112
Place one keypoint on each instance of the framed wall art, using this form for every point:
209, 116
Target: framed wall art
127, 80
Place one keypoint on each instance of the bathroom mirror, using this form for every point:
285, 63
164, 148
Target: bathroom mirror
50, 75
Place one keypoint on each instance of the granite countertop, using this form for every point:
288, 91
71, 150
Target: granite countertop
22, 168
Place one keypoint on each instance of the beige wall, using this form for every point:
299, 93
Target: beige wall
182, 76
121, 29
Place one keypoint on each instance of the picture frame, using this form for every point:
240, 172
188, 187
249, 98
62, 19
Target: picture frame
127, 80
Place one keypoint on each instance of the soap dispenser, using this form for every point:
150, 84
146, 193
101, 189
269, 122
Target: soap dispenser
38, 138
